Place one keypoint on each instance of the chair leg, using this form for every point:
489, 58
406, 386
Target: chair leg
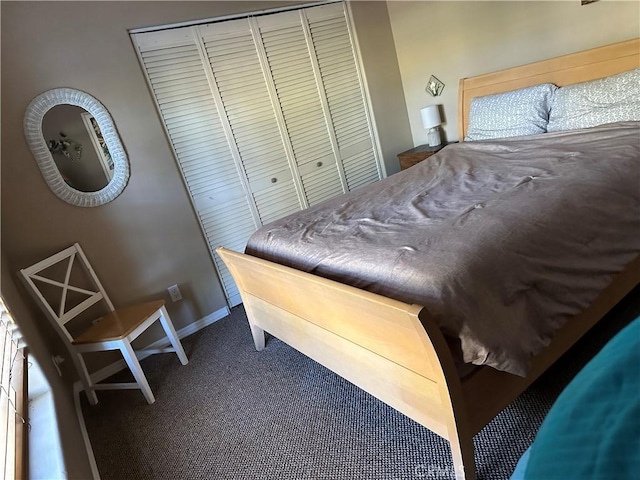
85, 378
134, 365
172, 335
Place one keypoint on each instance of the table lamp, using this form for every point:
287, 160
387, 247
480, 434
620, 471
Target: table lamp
431, 121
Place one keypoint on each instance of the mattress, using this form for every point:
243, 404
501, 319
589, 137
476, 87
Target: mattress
501, 240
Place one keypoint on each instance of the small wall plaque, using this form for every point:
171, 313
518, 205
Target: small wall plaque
434, 87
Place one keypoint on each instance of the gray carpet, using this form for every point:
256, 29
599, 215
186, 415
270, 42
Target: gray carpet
234, 413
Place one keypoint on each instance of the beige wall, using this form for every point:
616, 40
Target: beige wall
453, 40
149, 237
378, 54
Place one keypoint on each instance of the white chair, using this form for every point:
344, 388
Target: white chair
114, 331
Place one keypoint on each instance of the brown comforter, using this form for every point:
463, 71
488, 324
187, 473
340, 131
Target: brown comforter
502, 241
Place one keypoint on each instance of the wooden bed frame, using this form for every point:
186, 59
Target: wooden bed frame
394, 350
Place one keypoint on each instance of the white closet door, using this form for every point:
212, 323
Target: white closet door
290, 65
337, 65
184, 99
239, 79
266, 115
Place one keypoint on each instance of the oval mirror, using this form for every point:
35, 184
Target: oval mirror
76, 146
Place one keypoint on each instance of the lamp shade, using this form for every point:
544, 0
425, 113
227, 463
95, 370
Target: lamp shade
430, 117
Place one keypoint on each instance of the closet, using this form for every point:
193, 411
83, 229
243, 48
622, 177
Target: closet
266, 115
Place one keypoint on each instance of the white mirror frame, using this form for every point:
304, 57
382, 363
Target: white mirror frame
34, 115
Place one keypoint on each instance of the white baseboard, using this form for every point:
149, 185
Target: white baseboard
115, 367
77, 388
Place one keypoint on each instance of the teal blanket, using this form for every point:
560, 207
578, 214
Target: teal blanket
593, 429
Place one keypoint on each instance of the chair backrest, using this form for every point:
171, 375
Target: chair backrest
60, 314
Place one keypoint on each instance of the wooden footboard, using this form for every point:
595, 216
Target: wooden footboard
393, 350
388, 348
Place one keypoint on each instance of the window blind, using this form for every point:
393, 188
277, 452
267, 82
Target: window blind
12, 393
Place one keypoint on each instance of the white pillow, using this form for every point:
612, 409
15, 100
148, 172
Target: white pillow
589, 104
510, 114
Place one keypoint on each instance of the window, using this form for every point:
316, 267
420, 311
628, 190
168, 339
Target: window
12, 396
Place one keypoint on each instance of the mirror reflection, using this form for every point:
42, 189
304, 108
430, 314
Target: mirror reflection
77, 147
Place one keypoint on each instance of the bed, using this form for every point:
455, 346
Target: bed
395, 349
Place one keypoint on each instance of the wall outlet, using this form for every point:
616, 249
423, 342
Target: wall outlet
174, 293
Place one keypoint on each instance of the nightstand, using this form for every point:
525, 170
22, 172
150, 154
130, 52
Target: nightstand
417, 154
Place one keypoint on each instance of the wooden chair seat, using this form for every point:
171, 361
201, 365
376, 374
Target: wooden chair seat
119, 323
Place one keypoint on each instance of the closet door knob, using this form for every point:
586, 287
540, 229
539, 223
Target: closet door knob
319, 164
274, 180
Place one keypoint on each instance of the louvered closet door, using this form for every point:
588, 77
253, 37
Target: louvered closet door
185, 101
291, 67
332, 43
242, 88
266, 115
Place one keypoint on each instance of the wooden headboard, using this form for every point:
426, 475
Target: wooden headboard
573, 68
